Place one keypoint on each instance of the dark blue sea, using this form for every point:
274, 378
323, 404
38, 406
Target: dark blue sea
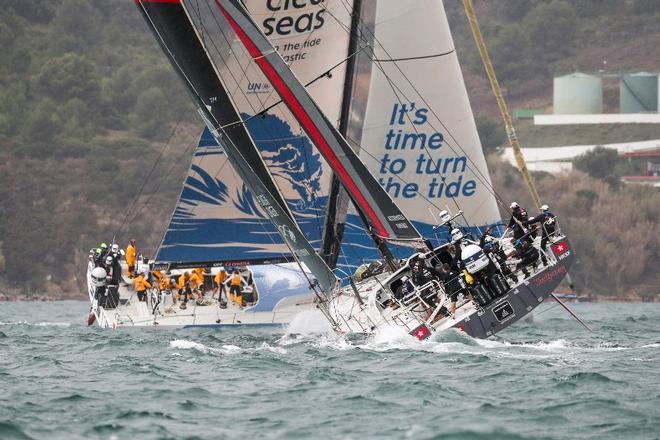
546, 379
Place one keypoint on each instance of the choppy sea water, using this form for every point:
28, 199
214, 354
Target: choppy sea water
60, 379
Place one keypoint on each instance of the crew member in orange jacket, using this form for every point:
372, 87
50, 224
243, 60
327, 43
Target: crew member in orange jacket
236, 283
131, 254
141, 286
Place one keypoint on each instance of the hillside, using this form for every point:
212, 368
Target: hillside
91, 116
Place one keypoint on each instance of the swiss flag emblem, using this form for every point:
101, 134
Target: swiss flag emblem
559, 248
422, 332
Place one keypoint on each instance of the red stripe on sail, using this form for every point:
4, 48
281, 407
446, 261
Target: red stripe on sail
298, 110
137, 2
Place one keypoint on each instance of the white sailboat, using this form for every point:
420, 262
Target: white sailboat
408, 116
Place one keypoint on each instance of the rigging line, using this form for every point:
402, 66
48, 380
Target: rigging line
151, 171
296, 258
250, 61
449, 132
421, 57
394, 90
199, 98
217, 72
163, 178
280, 101
220, 79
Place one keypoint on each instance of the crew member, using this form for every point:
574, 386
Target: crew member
236, 282
141, 285
452, 285
527, 254
546, 220
196, 280
403, 288
518, 221
131, 254
113, 269
101, 252
220, 279
184, 292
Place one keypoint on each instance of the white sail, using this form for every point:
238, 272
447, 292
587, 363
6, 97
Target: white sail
419, 136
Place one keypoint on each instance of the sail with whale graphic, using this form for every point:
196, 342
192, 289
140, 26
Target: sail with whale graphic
205, 228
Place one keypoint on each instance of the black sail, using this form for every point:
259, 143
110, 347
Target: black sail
181, 44
384, 218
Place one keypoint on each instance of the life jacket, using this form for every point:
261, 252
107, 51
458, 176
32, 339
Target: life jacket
220, 277
182, 281
235, 280
199, 272
468, 278
195, 279
141, 284
130, 255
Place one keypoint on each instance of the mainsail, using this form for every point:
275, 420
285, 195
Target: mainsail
174, 31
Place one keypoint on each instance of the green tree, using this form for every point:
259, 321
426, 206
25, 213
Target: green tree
550, 30
599, 162
41, 126
151, 112
68, 76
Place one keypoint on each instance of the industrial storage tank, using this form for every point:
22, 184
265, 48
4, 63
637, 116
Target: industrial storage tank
578, 93
638, 92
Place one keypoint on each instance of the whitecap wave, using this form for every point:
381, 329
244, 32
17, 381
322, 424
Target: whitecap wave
38, 324
183, 344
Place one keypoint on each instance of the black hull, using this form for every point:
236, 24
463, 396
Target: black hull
522, 299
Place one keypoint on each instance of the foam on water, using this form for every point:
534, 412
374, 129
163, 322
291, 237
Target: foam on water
547, 379
309, 322
37, 324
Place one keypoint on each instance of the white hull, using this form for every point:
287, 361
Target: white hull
133, 313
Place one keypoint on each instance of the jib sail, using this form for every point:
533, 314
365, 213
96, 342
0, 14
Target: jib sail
419, 135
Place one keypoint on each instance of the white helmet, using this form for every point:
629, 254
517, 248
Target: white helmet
444, 217
456, 234
545, 208
108, 260
115, 248
514, 205
404, 278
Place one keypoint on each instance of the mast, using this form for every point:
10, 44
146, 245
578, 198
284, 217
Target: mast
494, 84
333, 231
